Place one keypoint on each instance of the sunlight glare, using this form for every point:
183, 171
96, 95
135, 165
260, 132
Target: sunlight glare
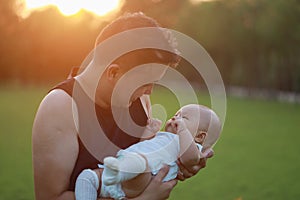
68, 8
72, 7
101, 8
199, 1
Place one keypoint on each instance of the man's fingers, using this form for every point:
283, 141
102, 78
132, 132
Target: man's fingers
180, 176
202, 163
172, 183
195, 169
162, 173
208, 153
183, 171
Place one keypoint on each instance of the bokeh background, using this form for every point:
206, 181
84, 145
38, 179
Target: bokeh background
255, 44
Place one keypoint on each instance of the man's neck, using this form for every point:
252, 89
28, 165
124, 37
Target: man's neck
93, 93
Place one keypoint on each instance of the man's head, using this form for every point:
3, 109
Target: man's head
201, 121
123, 64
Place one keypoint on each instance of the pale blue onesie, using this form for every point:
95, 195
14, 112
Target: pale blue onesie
163, 149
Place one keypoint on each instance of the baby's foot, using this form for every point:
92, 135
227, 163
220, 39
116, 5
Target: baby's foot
111, 171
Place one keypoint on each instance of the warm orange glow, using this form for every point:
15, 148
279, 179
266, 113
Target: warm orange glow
71, 7
199, 1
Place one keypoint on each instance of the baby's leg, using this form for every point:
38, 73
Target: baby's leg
87, 185
129, 170
133, 183
127, 166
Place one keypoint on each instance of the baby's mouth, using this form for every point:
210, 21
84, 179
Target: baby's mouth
169, 127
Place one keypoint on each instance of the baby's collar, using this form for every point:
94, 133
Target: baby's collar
199, 146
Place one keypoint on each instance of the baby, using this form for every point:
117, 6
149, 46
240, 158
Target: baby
191, 131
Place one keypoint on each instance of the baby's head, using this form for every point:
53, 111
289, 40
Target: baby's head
201, 121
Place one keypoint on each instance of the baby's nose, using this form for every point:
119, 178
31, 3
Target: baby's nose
175, 117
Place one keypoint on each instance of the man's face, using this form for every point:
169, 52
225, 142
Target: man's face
143, 90
137, 82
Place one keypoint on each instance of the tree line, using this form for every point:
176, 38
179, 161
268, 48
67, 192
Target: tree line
255, 43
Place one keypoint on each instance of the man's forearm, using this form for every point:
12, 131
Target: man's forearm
69, 195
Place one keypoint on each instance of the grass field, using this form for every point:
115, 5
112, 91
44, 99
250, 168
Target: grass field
257, 156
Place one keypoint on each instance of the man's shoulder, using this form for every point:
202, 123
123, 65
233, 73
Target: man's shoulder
55, 111
57, 98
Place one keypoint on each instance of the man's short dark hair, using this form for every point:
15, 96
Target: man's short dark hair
130, 21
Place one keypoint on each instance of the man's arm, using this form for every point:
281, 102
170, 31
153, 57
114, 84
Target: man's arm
157, 189
55, 147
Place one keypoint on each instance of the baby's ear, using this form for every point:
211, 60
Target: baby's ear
200, 136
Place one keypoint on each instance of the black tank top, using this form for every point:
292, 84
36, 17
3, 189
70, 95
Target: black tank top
85, 159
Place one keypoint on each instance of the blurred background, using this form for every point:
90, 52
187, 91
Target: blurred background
255, 44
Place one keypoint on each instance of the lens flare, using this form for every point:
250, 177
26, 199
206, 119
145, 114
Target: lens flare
70, 7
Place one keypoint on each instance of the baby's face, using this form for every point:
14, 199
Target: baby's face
189, 116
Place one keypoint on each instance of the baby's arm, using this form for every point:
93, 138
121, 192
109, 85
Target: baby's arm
189, 153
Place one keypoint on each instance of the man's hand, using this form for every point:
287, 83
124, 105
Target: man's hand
158, 190
183, 173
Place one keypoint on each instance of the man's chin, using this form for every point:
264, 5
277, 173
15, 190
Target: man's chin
133, 100
122, 105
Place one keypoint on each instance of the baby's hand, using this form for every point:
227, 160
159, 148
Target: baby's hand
179, 124
154, 125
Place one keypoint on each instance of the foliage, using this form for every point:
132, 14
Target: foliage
255, 43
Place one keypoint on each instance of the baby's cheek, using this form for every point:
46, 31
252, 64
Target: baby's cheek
191, 127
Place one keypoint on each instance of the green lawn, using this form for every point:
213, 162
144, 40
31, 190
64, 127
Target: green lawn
257, 156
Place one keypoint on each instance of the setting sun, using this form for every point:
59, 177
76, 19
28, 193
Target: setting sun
68, 8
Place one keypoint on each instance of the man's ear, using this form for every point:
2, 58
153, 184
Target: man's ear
113, 71
200, 136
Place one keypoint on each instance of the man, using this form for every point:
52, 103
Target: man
60, 149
